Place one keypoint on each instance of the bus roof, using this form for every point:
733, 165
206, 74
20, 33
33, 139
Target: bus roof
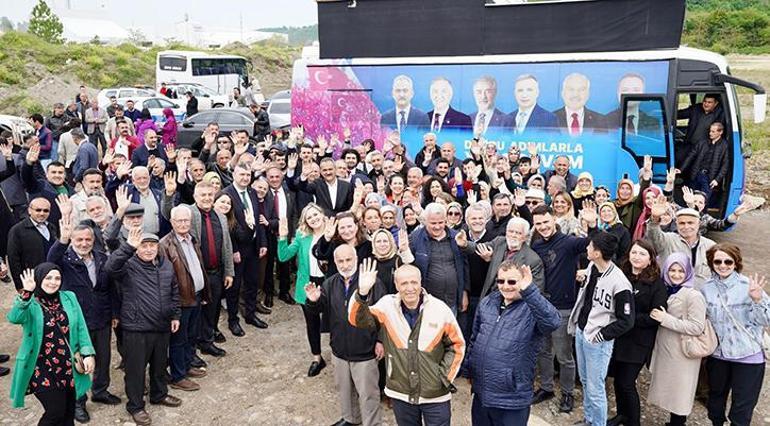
682, 52
198, 54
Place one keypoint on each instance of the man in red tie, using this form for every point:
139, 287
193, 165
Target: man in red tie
574, 118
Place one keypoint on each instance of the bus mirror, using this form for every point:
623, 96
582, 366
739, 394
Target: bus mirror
187, 124
760, 107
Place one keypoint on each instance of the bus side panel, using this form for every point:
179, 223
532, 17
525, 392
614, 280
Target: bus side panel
738, 175
329, 98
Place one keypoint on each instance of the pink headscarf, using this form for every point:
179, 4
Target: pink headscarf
641, 224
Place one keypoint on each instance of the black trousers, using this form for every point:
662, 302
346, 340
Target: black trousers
626, 395
140, 349
211, 311
59, 406
745, 382
273, 265
246, 282
313, 328
100, 339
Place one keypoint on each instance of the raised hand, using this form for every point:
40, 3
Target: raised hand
134, 237
123, 198
312, 292
398, 163
65, 230
331, 229
33, 154
240, 149
688, 196
65, 205
659, 206
346, 133
475, 147
283, 227
519, 197
526, 277
484, 252
532, 149
291, 161
403, 240
108, 157
28, 280
589, 213
381, 184
461, 239
671, 175
322, 143
534, 165
367, 276
269, 140
6, 150
334, 140
756, 288
123, 170
169, 179
458, 176
209, 139
472, 197
170, 152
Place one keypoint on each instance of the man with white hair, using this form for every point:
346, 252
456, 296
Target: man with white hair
404, 115
141, 193
487, 115
574, 118
443, 265
443, 115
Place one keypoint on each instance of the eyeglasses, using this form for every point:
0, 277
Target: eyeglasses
509, 282
41, 210
532, 202
453, 214
727, 262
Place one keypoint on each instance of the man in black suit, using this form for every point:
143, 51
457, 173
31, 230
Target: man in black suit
443, 115
30, 239
486, 115
574, 118
636, 121
529, 115
404, 115
252, 245
701, 116
284, 205
331, 194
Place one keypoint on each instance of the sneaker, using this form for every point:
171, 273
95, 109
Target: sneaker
567, 403
541, 395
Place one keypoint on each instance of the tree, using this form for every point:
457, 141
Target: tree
45, 24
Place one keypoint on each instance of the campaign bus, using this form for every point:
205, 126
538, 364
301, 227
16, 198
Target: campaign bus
604, 110
220, 73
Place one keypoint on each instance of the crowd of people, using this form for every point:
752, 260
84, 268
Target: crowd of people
421, 266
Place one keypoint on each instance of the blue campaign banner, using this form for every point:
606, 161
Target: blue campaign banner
566, 108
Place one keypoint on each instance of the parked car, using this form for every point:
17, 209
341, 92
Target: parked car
124, 93
229, 119
279, 110
207, 98
156, 105
16, 125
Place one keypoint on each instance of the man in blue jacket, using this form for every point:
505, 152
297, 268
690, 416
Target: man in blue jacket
510, 327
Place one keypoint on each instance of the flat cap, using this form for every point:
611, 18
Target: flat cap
134, 209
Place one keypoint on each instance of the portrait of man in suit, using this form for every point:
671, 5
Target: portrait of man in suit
574, 118
529, 115
486, 115
636, 121
443, 115
404, 115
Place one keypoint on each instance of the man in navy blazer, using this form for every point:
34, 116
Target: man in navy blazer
529, 116
574, 118
486, 115
404, 116
141, 155
443, 116
251, 244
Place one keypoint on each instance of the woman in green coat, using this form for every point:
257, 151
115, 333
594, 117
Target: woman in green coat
312, 223
54, 331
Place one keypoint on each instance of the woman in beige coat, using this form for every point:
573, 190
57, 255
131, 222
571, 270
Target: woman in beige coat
674, 376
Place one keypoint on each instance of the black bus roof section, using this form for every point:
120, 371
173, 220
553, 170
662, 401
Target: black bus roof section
413, 28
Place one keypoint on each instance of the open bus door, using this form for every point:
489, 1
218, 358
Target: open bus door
645, 132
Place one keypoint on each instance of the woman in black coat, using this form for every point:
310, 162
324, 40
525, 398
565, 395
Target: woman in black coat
634, 349
344, 229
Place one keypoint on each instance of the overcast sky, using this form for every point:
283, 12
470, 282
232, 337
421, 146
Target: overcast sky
147, 15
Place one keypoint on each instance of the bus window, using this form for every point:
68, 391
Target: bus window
218, 66
644, 131
172, 63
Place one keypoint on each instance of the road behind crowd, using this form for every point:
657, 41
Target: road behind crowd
263, 379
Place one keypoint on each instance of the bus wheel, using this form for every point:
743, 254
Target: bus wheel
218, 106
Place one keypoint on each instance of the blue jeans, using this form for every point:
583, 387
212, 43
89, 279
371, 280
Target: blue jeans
182, 345
702, 183
593, 359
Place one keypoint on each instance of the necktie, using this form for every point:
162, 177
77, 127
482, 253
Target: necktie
245, 200
574, 127
482, 118
44, 231
402, 121
521, 121
210, 241
276, 203
436, 123
630, 127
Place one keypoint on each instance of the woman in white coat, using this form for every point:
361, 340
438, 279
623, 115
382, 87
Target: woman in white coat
674, 376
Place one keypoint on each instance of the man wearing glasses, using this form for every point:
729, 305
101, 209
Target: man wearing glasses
30, 239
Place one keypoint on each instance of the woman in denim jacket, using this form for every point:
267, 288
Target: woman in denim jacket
739, 309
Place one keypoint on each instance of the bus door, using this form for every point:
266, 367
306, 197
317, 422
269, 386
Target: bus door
354, 109
644, 132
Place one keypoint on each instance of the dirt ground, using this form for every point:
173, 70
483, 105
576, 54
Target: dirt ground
263, 381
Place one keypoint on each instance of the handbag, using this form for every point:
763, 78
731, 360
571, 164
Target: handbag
701, 346
764, 343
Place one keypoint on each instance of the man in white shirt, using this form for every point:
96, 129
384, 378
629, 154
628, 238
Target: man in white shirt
529, 116
635, 121
574, 118
443, 115
486, 115
404, 115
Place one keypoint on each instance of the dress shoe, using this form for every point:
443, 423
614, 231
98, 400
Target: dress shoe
617, 420
262, 309
106, 398
197, 362
4, 371
81, 414
541, 395
4, 358
141, 418
219, 337
285, 298
256, 322
212, 349
236, 329
342, 422
567, 403
269, 301
168, 401
316, 367
196, 373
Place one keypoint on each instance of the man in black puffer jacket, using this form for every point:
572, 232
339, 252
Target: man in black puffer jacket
149, 309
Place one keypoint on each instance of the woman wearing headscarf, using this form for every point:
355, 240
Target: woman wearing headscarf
55, 337
390, 256
628, 205
584, 191
610, 222
675, 376
648, 197
214, 179
169, 127
144, 123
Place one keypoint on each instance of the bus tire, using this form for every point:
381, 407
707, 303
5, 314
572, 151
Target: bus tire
218, 106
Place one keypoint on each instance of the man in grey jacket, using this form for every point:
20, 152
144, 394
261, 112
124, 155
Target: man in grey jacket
210, 228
